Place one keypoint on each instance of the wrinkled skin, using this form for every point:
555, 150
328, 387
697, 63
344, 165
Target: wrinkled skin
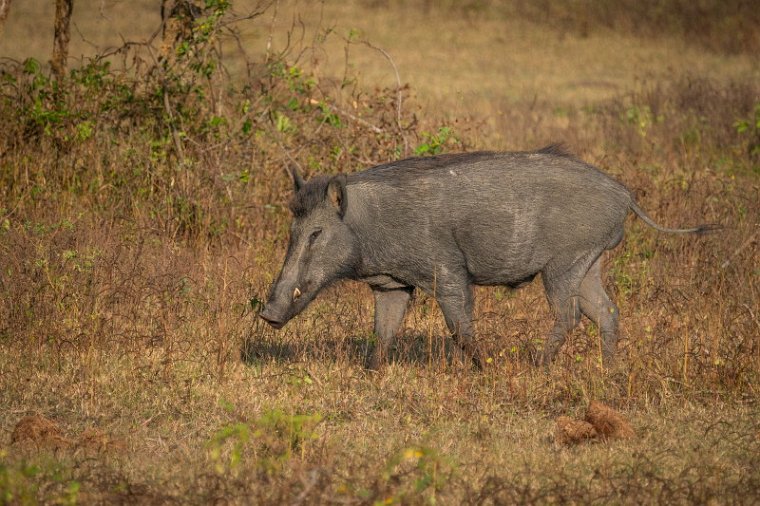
443, 224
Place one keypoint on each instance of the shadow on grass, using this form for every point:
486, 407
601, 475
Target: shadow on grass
409, 348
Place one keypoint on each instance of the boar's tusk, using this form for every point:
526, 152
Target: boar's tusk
296, 293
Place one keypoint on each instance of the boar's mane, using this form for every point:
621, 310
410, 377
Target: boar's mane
309, 196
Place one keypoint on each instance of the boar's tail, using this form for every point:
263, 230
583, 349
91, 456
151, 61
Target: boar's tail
701, 229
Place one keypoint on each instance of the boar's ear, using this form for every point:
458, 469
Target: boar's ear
336, 193
298, 181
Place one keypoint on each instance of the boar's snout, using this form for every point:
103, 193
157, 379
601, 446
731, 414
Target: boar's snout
271, 316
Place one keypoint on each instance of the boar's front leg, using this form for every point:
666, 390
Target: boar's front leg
390, 306
456, 301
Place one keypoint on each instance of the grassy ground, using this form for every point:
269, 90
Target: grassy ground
143, 217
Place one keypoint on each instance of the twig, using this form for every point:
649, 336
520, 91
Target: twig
271, 32
5, 6
102, 10
82, 37
752, 315
313, 480
338, 110
398, 90
260, 9
175, 135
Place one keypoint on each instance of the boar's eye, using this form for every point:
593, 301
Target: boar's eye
314, 235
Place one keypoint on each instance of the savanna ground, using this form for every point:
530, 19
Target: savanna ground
143, 215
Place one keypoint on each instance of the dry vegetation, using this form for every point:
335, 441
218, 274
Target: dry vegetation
143, 215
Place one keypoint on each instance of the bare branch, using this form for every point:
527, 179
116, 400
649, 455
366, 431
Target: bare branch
5, 6
271, 32
398, 90
63, 10
343, 112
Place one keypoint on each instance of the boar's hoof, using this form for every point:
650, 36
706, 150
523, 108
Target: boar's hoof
467, 357
541, 358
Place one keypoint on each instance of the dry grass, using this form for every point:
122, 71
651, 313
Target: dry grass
140, 229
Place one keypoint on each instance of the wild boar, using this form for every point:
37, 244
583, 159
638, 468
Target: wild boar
445, 223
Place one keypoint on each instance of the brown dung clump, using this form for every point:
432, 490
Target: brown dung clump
571, 431
608, 422
94, 440
40, 431
601, 422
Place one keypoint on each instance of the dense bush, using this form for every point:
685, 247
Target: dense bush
173, 143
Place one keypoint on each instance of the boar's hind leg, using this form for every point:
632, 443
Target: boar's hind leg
596, 304
562, 288
390, 306
456, 303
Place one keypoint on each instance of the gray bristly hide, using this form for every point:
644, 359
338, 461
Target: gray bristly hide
446, 223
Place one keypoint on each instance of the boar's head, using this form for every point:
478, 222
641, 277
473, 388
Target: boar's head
322, 247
